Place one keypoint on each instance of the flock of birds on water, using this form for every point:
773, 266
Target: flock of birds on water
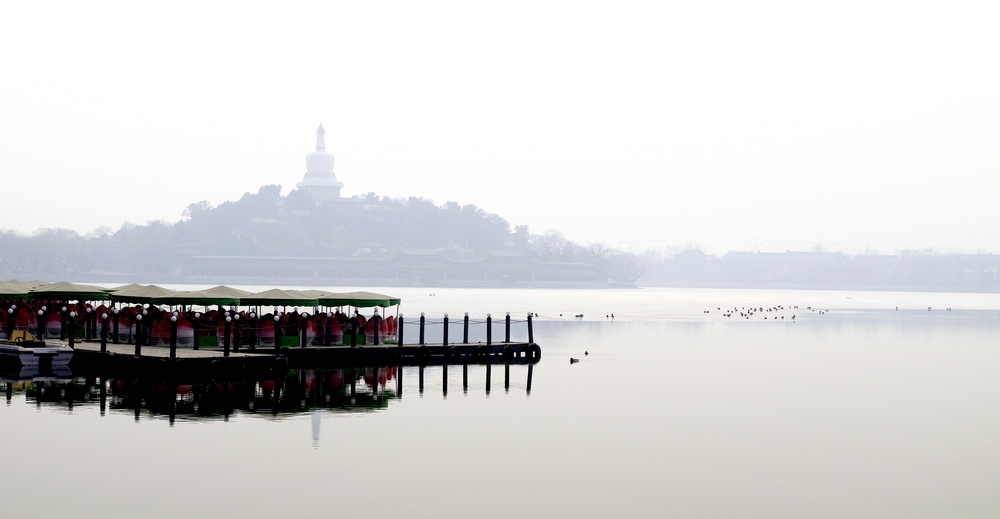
775, 313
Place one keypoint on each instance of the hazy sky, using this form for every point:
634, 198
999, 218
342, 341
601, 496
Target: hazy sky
730, 126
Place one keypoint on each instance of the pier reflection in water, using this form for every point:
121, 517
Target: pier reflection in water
348, 389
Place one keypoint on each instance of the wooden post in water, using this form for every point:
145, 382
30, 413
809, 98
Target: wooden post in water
197, 327
114, 329
72, 329
277, 332
421, 328
506, 377
104, 333
531, 335
10, 323
399, 338
62, 324
489, 330
138, 336
465, 378
237, 330
225, 335
445, 340
173, 336
354, 333
88, 332
465, 329
444, 378
421, 380
328, 330
254, 325
506, 335
305, 324
530, 368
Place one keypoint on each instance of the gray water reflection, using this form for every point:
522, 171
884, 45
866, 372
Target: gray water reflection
341, 390
842, 414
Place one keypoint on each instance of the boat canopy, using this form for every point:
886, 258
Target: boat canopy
316, 294
12, 291
69, 292
224, 291
200, 298
278, 297
359, 300
219, 295
140, 294
129, 287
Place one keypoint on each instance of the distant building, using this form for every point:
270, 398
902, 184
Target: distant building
320, 181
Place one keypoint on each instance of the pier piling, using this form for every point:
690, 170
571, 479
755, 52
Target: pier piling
305, 330
399, 333
225, 335
114, 329
277, 333
72, 329
138, 338
104, 333
444, 341
422, 322
465, 329
506, 334
40, 330
531, 335
173, 336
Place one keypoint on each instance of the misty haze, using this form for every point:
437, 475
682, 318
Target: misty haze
533, 259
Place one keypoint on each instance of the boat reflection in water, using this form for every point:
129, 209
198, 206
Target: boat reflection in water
346, 389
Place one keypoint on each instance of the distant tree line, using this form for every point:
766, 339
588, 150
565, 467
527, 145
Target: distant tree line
908, 270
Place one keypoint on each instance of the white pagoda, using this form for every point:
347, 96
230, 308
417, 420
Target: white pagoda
320, 180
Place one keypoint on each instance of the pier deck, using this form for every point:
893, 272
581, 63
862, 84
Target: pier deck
213, 362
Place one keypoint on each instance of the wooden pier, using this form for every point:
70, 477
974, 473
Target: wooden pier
244, 363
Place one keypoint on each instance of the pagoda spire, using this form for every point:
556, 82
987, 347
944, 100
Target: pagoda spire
320, 141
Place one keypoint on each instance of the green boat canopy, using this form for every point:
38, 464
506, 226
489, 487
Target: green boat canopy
10, 291
27, 285
316, 294
69, 292
278, 297
124, 288
141, 294
200, 298
359, 300
224, 291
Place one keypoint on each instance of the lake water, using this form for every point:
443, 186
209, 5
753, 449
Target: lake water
852, 408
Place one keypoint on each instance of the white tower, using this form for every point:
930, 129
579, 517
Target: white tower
320, 179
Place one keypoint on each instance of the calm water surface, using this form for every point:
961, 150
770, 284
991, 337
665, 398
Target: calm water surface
862, 410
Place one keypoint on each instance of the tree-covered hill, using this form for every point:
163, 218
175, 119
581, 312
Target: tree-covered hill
362, 238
